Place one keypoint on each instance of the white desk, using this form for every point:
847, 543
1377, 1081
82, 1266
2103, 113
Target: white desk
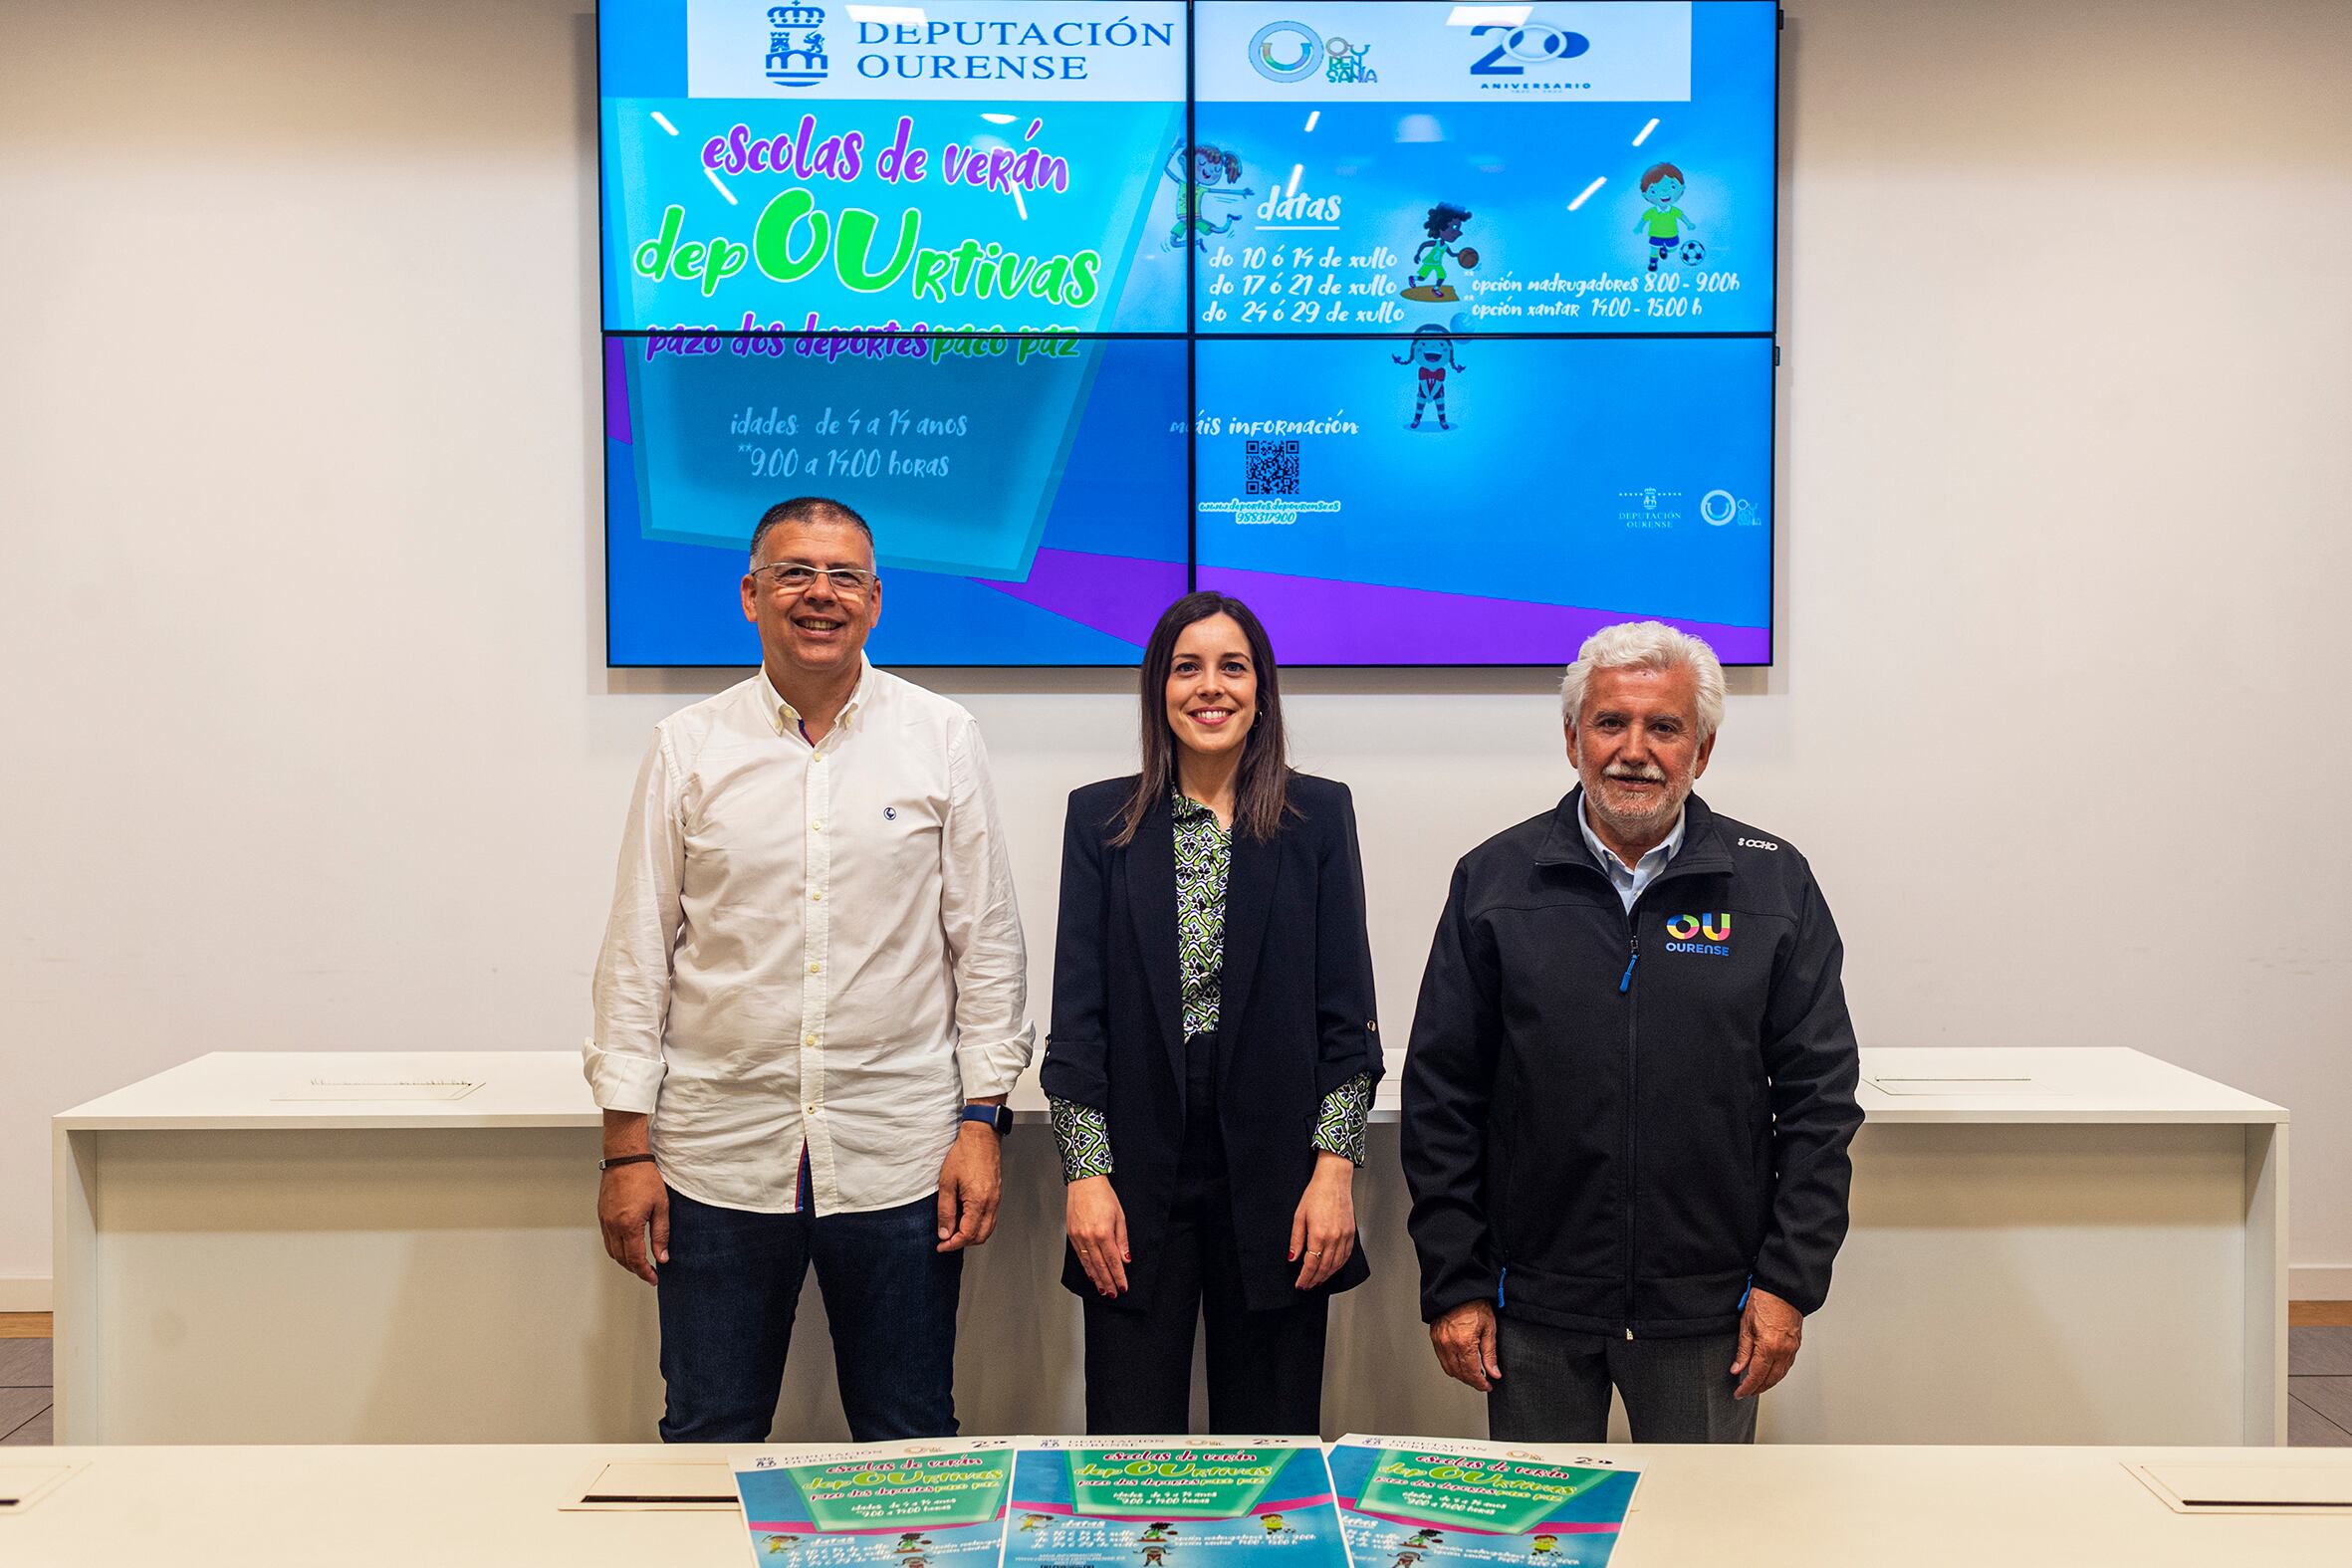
2049, 1246
1762, 1507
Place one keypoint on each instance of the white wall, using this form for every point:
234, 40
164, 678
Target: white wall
310, 746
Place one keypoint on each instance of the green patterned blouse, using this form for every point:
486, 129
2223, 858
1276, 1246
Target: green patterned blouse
1204, 861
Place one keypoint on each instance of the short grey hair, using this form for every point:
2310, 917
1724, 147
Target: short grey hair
1646, 645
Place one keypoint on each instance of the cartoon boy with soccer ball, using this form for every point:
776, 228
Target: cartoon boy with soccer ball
1662, 188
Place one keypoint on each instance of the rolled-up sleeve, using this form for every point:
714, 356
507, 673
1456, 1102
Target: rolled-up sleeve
1082, 1134
981, 923
1339, 1123
632, 992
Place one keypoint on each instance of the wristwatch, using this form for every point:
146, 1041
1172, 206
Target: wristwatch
998, 1116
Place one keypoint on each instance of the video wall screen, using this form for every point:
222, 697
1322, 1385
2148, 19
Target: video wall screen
1441, 334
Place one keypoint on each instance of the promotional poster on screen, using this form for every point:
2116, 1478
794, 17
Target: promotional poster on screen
1378, 316
1418, 1502
1173, 1503
933, 1504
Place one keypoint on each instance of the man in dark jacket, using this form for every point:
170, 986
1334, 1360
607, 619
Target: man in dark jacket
1631, 1084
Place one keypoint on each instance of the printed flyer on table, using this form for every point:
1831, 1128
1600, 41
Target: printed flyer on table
1419, 1502
935, 1504
1183, 1502
1172, 1502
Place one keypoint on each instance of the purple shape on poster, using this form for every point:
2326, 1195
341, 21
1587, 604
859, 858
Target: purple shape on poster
617, 390
1314, 620
1117, 595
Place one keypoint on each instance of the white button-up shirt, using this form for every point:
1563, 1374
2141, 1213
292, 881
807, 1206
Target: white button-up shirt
810, 947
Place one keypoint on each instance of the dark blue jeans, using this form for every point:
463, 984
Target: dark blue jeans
727, 1298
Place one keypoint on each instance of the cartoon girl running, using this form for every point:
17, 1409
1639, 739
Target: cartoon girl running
1211, 167
1433, 351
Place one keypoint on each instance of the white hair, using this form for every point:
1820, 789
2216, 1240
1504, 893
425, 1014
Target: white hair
1646, 645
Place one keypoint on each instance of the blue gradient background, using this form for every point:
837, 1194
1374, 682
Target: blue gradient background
1118, 492
1522, 499
1517, 164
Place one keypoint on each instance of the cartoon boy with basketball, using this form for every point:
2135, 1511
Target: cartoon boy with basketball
1443, 226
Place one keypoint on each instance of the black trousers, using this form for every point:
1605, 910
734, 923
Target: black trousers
1556, 1387
1266, 1369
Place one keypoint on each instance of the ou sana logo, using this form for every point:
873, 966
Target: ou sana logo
1271, 42
1289, 50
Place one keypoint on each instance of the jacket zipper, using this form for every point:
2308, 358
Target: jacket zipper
1632, 1057
1625, 990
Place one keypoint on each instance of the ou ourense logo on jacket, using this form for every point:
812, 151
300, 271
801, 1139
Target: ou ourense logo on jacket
1685, 931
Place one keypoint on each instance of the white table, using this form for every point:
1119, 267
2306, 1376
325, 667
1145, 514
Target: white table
2049, 1246
1762, 1507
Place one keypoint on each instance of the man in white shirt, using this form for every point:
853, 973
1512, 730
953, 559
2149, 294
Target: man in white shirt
810, 1007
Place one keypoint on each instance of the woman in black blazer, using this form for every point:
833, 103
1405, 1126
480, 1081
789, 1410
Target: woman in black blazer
1213, 1050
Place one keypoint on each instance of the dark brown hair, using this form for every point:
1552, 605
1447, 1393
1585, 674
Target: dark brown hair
1658, 172
1262, 792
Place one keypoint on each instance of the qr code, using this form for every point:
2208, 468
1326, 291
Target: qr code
1273, 468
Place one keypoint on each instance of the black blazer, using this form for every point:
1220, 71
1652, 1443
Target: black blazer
1296, 1019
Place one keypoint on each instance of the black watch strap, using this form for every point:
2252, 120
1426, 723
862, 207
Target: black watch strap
623, 1158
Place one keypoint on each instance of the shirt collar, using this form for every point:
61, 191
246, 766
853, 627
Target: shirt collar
785, 718
1186, 809
1664, 852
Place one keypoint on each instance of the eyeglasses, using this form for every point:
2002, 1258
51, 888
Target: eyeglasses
795, 576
